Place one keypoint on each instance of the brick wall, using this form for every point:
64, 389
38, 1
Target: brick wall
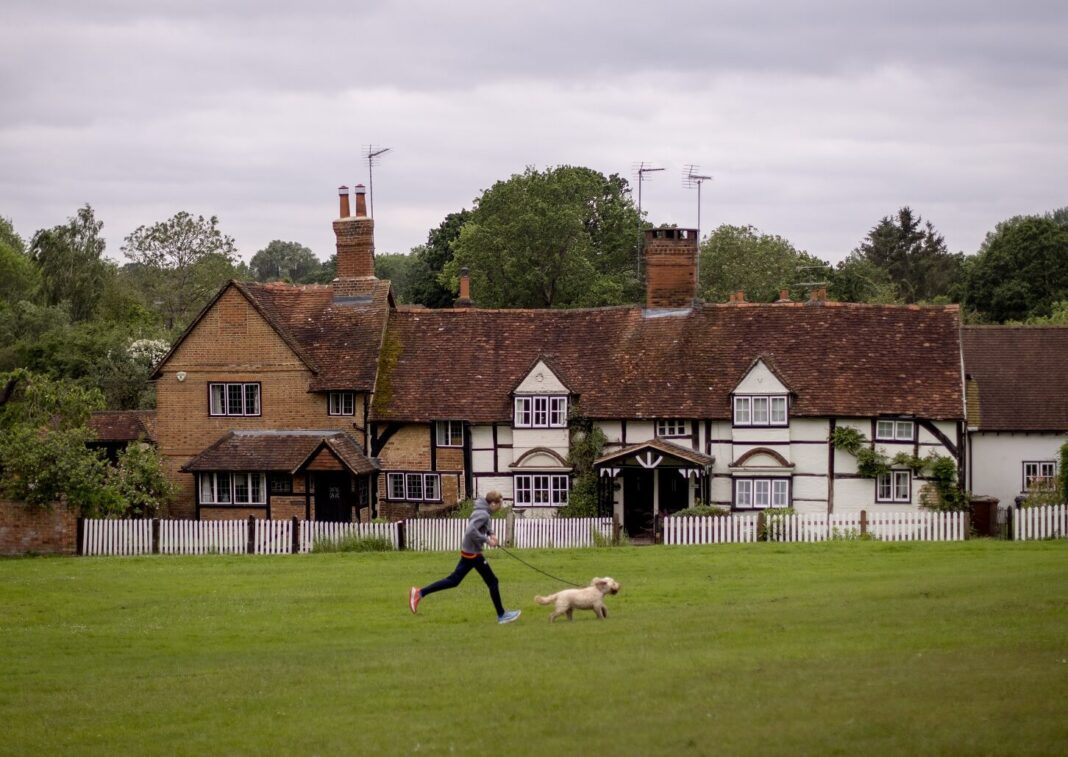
670, 268
409, 450
233, 343
355, 247
40, 531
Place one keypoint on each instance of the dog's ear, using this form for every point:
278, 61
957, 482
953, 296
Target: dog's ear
599, 582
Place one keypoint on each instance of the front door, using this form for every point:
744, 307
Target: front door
333, 497
637, 502
674, 491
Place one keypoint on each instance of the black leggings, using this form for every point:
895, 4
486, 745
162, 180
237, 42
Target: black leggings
451, 581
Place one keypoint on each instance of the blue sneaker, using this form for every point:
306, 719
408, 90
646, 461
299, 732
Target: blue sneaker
508, 617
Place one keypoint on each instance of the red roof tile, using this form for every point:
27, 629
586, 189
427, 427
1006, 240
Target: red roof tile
284, 451
838, 359
1021, 376
123, 425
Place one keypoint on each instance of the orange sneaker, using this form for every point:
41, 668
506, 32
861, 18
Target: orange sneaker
413, 598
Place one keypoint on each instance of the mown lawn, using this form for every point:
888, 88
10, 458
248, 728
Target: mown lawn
841, 648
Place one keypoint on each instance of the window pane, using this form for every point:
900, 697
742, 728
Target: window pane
762, 493
415, 486
884, 430
430, 486
779, 491
522, 412
741, 410
222, 487
541, 412
883, 488
241, 490
233, 399
348, 404
541, 490
760, 410
560, 484
218, 399
904, 431
558, 412
207, 493
1047, 470
778, 410
256, 481
522, 490
745, 493
396, 485
252, 399
901, 486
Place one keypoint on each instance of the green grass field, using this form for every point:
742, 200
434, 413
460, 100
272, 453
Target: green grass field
840, 648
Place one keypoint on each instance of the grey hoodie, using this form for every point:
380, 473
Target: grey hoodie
478, 528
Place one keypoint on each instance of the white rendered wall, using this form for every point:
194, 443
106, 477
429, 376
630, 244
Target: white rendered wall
996, 460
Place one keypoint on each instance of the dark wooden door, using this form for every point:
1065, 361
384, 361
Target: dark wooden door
674, 491
333, 497
637, 502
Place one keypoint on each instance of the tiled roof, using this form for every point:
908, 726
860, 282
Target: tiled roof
123, 425
1021, 377
667, 448
838, 359
340, 340
283, 451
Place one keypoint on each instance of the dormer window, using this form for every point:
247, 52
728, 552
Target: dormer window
757, 410
888, 430
540, 412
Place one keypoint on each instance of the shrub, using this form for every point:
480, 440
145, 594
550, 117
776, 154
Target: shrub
702, 511
464, 508
354, 543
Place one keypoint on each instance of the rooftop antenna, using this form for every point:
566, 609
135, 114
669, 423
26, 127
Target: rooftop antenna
691, 177
372, 154
811, 284
641, 169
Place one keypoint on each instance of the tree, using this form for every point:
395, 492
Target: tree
179, 263
857, 279
69, 258
913, 255
19, 278
285, 261
429, 261
563, 237
1021, 270
396, 268
740, 257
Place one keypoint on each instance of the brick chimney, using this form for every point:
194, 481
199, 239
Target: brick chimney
670, 268
784, 295
464, 300
355, 246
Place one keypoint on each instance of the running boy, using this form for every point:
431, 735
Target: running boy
477, 535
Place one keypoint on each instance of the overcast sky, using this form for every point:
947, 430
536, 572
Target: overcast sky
814, 118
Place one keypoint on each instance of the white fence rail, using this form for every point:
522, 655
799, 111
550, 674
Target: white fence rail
117, 537
312, 531
203, 537
1046, 522
560, 532
437, 534
724, 529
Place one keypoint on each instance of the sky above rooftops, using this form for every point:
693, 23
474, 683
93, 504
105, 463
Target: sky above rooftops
814, 118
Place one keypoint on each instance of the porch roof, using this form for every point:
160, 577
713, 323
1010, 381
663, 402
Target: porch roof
691, 456
279, 451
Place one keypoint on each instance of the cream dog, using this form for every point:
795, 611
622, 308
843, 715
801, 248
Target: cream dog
588, 598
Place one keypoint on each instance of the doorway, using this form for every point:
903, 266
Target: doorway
638, 502
333, 497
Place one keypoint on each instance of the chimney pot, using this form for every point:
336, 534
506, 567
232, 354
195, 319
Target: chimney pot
784, 295
741, 295
361, 200
343, 194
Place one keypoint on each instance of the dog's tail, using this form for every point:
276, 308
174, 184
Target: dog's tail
545, 600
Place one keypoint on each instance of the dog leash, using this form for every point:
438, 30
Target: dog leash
550, 575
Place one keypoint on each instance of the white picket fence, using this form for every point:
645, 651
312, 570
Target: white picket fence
436, 534
559, 532
911, 525
202, 537
117, 537
1046, 522
725, 529
312, 531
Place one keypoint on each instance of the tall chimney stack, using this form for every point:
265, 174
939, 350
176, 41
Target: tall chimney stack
464, 300
355, 241
670, 268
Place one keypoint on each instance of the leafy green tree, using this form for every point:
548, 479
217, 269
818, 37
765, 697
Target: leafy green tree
913, 255
563, 237
429, 260
19, 278
141, 482
857, 279
285, 261
69, 259
179, 263
396, 268
740, 257
1021, 270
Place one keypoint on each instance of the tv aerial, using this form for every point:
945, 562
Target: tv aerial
692, 177
373, 154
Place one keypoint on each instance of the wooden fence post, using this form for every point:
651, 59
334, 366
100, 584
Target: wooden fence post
251, 535
402, 535
617, 527
762, 526
863, 523
155, 536
296, 535
509, 527
967, 525
79, 535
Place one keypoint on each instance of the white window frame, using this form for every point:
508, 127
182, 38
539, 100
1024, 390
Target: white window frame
246, 392
894, 487
1044, 471
896, 432
761, 410
449, 433
761, 493
413, 486
672, 428
221, 488
341, 403
541, 411
541, 489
